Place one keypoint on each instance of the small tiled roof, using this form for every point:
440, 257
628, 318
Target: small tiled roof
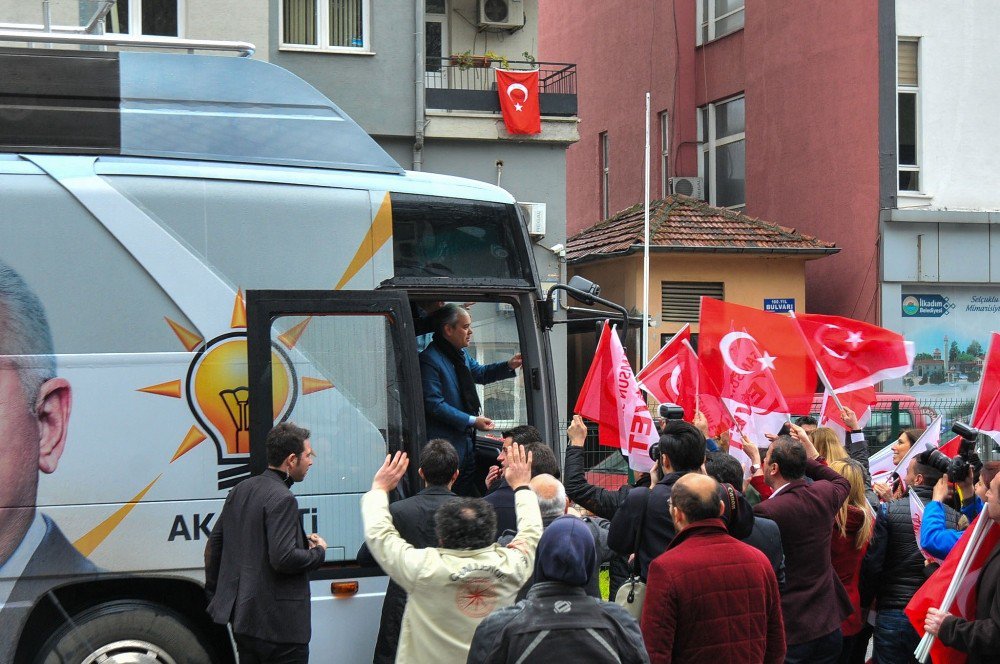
679, 223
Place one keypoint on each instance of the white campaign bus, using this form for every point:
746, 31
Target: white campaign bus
216, 248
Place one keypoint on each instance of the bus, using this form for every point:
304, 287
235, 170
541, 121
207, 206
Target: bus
214, 247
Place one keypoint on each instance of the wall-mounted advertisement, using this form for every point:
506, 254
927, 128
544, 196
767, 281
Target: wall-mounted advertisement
950, 327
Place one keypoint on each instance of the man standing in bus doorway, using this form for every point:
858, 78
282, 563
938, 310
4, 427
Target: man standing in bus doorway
258, 557
34, 417
451, 402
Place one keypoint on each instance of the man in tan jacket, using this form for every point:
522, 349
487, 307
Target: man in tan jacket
453, 587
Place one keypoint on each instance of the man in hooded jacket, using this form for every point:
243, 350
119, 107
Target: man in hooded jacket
557, 616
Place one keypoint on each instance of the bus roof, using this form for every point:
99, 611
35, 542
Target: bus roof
197, 107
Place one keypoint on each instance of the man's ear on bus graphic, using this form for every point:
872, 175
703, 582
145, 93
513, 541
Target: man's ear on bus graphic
52, 410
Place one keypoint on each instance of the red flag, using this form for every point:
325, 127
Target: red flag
611, 397
518, 92
860, 401
854, 354
672, 375
950, 449
934, 589
750, 391
777, 337
711, 404
986, 417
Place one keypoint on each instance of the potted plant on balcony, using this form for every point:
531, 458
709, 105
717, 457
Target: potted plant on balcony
466, 59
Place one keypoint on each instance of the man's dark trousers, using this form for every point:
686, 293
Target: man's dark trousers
824, 650
257, 651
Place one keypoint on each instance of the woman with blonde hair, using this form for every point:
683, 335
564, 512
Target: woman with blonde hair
828, 445
852, 532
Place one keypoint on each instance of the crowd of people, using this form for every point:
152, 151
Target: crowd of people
806, 560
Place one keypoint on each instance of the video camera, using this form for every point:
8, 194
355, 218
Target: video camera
957, 467
668, 411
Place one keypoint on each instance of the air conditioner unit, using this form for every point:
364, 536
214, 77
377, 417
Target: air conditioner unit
501, 13
534, 217
693, 187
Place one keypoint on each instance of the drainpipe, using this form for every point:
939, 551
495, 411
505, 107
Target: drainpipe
418, 84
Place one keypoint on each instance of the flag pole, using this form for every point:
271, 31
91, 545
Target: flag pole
819, 369
644, 336
961, 570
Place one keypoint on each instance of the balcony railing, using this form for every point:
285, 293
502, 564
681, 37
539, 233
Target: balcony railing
454, 86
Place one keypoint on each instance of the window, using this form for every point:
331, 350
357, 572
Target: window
340, 26
435, 39
680, 301
722, 157
664, 154
907, 117
718, 18
159, 18
605, 174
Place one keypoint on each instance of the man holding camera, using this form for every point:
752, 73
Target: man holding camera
980, 638
680, 450
901, 565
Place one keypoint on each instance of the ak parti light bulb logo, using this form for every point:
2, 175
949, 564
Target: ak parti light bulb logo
217, 391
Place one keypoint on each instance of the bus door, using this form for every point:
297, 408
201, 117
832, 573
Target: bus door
342, 364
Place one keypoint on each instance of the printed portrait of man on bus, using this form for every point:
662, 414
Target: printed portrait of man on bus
34, 416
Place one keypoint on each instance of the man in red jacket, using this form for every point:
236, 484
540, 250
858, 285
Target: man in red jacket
729, 611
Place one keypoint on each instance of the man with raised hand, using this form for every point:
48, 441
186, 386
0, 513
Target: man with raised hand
452, 587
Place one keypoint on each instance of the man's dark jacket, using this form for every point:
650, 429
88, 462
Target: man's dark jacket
414, 519
657, 524
602, 502
53, 563
901, 570
766, 538
556, 620
258, 560
980, 637
502, 500
814, 601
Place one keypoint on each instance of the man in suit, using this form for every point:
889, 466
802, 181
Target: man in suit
451, 402
258, 557
34, 418
814, 601
413, 517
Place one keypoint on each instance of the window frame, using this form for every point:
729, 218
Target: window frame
664, 153
706, 30
135, 20
323, 33
708, 144
604, 151
913, 90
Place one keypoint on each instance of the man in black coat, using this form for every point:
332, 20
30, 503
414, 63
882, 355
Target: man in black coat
543, 460
901, 567
413, 517
765, 536
682, 450
258, 556
980, 638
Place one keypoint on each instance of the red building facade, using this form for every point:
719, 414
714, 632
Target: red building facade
779, 116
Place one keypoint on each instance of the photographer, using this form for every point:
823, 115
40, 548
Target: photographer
680, 450
935, 536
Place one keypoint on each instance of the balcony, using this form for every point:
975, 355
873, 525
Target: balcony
454, 87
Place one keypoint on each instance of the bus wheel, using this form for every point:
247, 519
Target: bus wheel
126, 632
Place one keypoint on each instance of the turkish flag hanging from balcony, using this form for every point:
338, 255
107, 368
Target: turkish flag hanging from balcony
518, 92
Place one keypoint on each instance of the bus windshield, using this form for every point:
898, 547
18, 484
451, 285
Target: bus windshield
448, 237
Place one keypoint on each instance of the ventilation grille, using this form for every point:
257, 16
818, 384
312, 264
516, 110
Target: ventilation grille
681, 300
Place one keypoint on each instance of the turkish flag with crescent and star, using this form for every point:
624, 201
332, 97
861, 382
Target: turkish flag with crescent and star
777, 338
749, 390
854, 354
518, 92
